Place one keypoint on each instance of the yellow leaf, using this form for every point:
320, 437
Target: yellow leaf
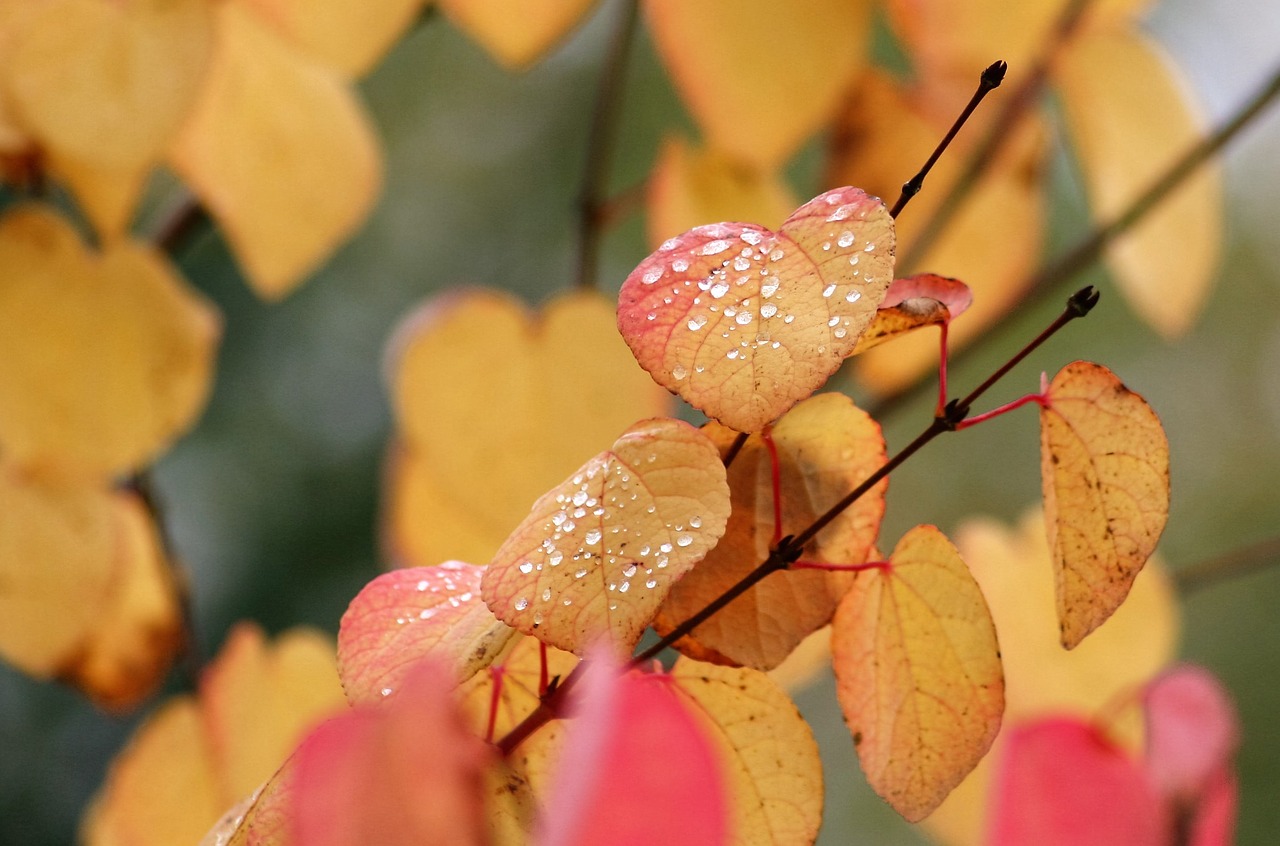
918, 672
516, 32
560, 386
1130, 117
599, 552
109, 356
690, 186
280, 151
1013, 567
826, 447
348, 35
774, 772
758, 76
108, 196
138, 632
109, 83
57, 563
1104, 462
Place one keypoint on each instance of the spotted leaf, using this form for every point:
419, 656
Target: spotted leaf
743, 322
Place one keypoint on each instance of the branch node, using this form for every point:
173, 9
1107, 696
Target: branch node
788, 551
953, 415
1082, 302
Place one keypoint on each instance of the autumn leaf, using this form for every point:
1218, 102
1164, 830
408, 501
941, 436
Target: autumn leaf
516, 34
442, 500
774, 774
759, 77
1105, 468
1192, 732
286, 185
913, 302
825, 447
636, 516
742, 322
918, 672
406, 615
110, 355
349, 37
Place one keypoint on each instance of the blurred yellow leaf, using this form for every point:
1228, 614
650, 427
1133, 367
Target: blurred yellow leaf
559, 387
193, 759
350, 36
109, 83
690, 186
516, 32
109, 356
597, 554
918, 672
760, 77
1104, 462
1013, 567
106, 195
1130, 117
773, 769
280, 151
826, 446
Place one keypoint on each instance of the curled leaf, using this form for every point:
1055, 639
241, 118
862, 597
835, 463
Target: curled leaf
925, 299
918, 672
406, 615
743, 322
598, 553
1105, 471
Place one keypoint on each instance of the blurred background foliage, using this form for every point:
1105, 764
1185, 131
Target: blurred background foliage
272, 501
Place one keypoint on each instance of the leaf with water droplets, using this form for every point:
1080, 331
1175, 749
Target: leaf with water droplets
598, 553
918, 672
913, 302
773, 771
405, 615
1104, 462
517, 36
825, 447
564, 362
760, 77
743, 322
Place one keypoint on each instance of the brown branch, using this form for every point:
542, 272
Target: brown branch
1242, 561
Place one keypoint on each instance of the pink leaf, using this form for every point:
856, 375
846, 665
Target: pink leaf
1192, 731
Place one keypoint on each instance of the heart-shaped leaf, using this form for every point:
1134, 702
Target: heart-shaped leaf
743, 322
1104, 462
405, 615
598, 553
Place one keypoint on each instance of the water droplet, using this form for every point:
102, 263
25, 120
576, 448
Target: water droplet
768, 310
695, 522
853, 296
537, 618
719, 289
386, 691
684, 540
840, 332
788, 318
697, 322
546, 594
731, 354
845, 239
826, 246
566, 602
768, 289
522, 603
743, 318
869, 248
678, 373
579, 497
829, 290
593, 537
833, 321
666, 547
680, 265
526, 567
651, 583
715, 247
668, 245
622, 588
629, 570
555, 559
751, 237
652, 276
580, 573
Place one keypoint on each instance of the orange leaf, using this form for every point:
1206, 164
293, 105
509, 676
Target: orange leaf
636, 516
403, 616
1130, 118
287, 185
1104, 459
760, 77
109, 356
925, 299
826, 446
517, 33
350, 37
108, 196
690, 186
444, 502
743, 323
773, 769
918, 672
109, 83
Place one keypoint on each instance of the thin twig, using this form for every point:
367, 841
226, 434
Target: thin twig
1238, 562
180, 224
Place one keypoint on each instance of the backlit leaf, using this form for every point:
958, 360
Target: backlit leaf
286, 185
742, 322
109, 355
771, 759
598, 553
918, 672
1130, 118
516, 33
826, 446
347, 35
560, 386
761, 77
690, 186
405, 615
1105, 468
925, 299
637, 766
405, 771
109, 83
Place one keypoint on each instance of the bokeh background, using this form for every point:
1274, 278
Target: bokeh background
272, 500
